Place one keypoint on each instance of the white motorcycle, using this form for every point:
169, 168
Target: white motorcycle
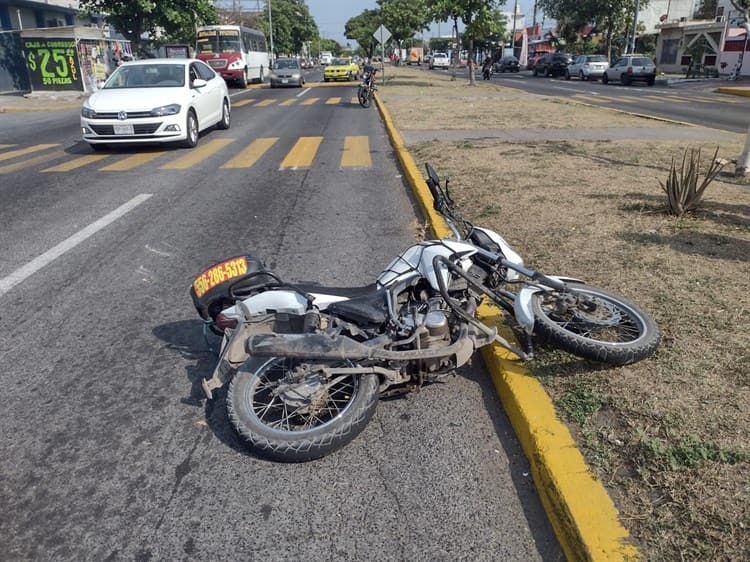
308, 363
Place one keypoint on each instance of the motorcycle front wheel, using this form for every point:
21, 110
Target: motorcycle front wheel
291, 411
363, 94
595, 324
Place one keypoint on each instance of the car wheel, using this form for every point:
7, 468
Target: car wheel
567, 74
580, 75
226, 117
605, 80
626, 80
191, 129
651, 81
536, 72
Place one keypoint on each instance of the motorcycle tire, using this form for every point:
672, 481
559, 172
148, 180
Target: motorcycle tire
258, 409
606, 328
363, 95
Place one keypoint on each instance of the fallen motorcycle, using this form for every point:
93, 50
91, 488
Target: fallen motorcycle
307, 364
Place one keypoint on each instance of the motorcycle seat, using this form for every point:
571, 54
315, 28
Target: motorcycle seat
369, 309
348, 292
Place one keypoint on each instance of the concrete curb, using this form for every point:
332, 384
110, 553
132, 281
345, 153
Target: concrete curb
734, 91
582, 514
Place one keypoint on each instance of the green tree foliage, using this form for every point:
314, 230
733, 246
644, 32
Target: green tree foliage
174, 20
292, 25
361, 29
706, 9
404, 18
481, 18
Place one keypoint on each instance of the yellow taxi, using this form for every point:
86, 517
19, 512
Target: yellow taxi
341, 68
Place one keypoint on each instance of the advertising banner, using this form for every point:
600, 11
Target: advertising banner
52, 63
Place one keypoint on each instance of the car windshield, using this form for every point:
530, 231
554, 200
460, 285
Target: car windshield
287, 63
340, 62
596, 58
157, 75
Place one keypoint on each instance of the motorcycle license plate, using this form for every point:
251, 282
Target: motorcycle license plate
219, 273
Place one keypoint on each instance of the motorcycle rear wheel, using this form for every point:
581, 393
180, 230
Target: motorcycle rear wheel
600, 326
363, 95
289, 416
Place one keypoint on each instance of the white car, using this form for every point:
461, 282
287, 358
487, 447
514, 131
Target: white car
156, 100
440, 60
587, 67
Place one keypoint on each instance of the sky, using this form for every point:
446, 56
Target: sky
332, 15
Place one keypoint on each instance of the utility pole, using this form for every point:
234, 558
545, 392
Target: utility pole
270, 30
635, 28
513, 35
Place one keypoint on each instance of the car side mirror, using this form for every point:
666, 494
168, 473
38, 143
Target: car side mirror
199, 83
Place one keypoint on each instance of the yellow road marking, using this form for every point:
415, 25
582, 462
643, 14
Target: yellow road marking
77, 163
242, 102
265, 103
333, 101
42, 158
302, 153
4, 146
132, 161
251, 154
356, 152
197, 154
354, 100
594, 98
676, 99
310, 101
288, 102
28, 150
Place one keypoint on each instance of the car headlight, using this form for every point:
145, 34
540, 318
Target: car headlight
87, 112
295, 76
171, 109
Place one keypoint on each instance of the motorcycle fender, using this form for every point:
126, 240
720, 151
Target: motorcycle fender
522, 305
232, 355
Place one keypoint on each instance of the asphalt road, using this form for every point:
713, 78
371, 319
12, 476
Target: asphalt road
109, 450
691, 102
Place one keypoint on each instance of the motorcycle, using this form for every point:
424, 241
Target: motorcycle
486, 71
306, 364
367, 88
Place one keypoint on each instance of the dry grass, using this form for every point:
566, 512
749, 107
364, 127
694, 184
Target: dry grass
668, 436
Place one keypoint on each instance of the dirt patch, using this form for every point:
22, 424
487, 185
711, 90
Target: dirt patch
669, 436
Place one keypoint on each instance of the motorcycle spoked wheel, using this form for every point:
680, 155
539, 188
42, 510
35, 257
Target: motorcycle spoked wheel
287, 412
595, 324
363, 95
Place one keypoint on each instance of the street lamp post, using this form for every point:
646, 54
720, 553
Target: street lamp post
270, 30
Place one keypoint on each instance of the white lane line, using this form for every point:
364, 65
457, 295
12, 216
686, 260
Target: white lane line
303, 92
20, 274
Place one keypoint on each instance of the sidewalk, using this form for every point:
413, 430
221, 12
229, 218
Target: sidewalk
41, 101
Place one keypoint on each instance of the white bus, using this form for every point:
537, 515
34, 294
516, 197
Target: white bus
239, 54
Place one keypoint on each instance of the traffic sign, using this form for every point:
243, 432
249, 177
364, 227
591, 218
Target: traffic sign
382, 34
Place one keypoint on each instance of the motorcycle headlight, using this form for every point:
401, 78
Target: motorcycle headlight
87, 112
171, 109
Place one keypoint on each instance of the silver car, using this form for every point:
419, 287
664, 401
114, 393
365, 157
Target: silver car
587, 67
631, 68
287, 72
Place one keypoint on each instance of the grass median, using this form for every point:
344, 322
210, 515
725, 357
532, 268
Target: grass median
667, 436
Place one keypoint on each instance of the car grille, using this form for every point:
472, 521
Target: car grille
217, 63
131, 115
138, 129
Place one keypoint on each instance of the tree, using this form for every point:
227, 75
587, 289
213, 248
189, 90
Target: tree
743, 160
293, 26
173, 20
706, 9
361, 29
481, 18
404, 18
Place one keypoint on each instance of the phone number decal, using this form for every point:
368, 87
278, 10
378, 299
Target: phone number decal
218, 274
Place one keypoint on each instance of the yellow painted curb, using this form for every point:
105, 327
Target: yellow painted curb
734, 91
582, 514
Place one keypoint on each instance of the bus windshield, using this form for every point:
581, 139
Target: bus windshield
222, 41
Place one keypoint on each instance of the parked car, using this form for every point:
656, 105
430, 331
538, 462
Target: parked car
342, 68
587, 67
440, 60
156, 100
507, 64
631, 68
286, 72
552, 64
427, 59
533, 59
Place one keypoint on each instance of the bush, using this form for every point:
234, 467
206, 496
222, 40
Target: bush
683, 192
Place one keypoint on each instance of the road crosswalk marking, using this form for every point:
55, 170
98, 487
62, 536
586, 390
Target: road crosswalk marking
76, 163
23, 151
333, 101
288, 102
242, 102
356, 152
33, 161
265, 103
201, 152
251, 154
4, 146
132, 161
310, 101
302, 154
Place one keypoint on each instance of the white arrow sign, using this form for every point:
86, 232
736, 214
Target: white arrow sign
381, 35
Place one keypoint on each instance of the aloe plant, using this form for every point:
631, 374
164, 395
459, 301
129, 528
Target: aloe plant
682, 188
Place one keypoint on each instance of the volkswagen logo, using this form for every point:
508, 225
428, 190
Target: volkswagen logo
122, 115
